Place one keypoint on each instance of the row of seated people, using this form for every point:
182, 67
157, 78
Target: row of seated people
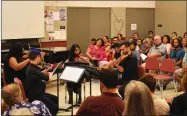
140, 99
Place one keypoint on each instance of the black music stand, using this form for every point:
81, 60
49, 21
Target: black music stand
72, 74
87, 68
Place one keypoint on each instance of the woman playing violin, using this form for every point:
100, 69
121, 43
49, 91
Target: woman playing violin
75, 55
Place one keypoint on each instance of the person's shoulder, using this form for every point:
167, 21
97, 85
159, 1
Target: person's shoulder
182, 98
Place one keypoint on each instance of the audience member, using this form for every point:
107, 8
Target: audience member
115, 40
36, 79
128, 67
147, 47
109, 53
93, 41
15, 66
106, 41
181, 71
120, 37
130, 39
97, 52
135, 53
185, 35
150, 37
173, 35
135, 36
12, 96
139, 46
179, 103
166, 42
177, 53
108, 103
161, 106
184, 44
138, 100
158, 50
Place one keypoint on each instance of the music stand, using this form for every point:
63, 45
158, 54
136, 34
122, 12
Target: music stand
72, 74
83, 65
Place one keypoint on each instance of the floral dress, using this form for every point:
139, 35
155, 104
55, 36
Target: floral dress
38, 108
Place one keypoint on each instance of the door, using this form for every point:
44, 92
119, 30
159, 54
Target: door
78, 30
143, 17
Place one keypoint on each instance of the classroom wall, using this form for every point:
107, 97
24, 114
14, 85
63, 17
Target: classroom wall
172, 16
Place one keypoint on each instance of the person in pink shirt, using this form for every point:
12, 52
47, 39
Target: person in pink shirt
166, 42
97, 52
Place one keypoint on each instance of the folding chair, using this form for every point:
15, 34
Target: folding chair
19, 83
152, 63
167, 67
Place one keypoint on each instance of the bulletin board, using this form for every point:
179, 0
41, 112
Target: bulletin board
55, 23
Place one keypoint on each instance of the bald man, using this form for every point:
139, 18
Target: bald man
158, 50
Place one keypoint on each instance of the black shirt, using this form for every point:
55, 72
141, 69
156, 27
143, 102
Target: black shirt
35, 83
130, 66
10, 73
117, 55
179, 105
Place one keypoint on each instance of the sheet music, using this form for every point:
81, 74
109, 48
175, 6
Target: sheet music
72, 74
143, 56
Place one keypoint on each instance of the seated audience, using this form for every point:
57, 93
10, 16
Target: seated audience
120, 37
97, 52
185, 35
138, 100
184, 44
130, 39
12, 96
16, 65
135, 36
150, 37
109, 53
139, 46
75, 55
36, 79
177, 53
147, 47
158, 50
173, 35
93, 41
115, 40
161, 106
181, 71
128, 66
166, 42
179, 103
108, 103
135, 53
106, 41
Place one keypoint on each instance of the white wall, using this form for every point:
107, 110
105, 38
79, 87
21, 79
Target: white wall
22, 19
137, 4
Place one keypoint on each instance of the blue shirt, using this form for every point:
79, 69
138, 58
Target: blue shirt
177, 54
36, 107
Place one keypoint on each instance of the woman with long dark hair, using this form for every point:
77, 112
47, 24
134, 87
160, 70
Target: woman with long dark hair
15, 66
75, 55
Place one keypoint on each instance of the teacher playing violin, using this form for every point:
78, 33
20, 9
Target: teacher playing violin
128, 66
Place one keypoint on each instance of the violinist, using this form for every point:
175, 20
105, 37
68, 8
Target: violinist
16, 64
35, 80
128, 66
75, 55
